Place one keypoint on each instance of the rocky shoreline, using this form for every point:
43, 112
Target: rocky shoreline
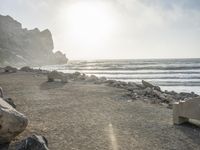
145, 92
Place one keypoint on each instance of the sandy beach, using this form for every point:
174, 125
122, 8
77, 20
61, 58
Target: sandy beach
80, 115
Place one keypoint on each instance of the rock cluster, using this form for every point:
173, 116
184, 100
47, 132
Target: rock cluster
20, 47
13, 123
146, 91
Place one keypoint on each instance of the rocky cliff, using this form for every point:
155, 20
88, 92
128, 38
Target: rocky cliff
19, 46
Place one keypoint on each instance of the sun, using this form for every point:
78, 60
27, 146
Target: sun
89, 22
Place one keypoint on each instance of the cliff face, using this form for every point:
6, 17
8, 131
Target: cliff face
21, 47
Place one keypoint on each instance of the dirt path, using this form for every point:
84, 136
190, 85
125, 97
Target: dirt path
83, 116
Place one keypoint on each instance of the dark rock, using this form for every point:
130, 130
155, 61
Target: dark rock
109, 82
4, 146
26, 69
147, 84
54, 75
101, 80
131, 86
76, 74
34, 142
10, 69
92, 78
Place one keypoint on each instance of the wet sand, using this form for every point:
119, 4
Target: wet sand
84, 116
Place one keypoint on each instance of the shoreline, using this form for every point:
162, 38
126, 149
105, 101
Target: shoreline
81, 113
136, 91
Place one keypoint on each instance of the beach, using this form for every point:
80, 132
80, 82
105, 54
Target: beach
87, 116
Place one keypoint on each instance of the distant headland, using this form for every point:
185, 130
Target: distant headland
20, 46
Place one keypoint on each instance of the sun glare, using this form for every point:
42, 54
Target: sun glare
89, 23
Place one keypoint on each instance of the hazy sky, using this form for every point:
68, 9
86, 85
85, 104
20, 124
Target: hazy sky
93, 29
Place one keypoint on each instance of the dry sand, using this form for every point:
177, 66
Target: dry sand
85, 116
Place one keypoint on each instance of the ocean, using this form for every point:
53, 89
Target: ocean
180, 75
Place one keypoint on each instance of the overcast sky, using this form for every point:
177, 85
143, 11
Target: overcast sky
102, 29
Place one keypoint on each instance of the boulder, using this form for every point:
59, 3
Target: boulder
131, 86
92, 78
10, 69
26, 69
8, 100
54, 75
12, 122
34, 142
147, 84
100, 80
78, 76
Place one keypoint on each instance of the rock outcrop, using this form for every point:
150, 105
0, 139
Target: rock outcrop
12, 122
21, 47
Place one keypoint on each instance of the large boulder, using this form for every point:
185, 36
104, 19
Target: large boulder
147, 84
10, 69
26, 69
8, 100
92, 78
12, 122
34, 142
54, 75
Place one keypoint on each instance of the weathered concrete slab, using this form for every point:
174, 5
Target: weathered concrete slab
185, 110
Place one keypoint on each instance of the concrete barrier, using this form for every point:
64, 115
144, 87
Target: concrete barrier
185, 110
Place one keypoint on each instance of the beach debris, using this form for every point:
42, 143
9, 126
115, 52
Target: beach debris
55, 75
33, 142
12, 122
10, 69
